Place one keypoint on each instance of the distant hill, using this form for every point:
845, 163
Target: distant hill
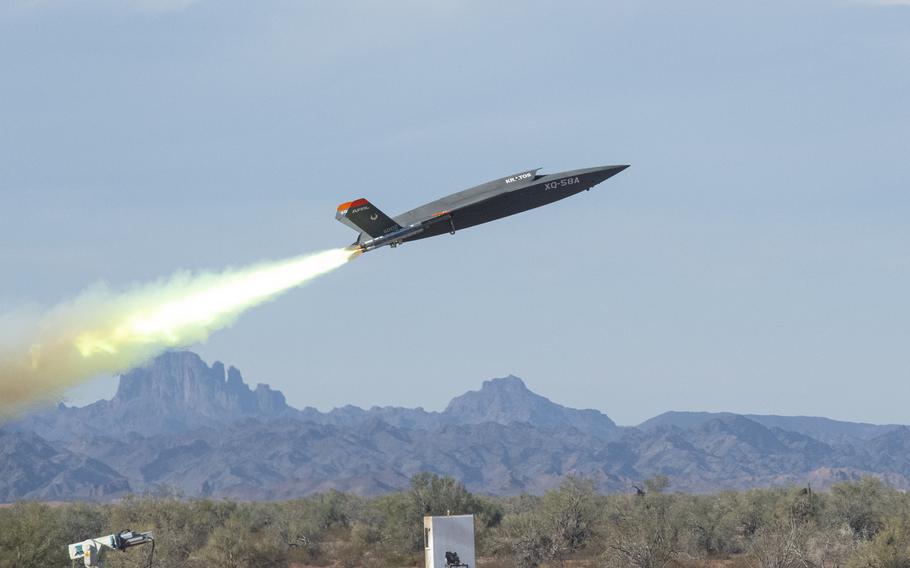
823, 429
179, 423
508, 401
32, 468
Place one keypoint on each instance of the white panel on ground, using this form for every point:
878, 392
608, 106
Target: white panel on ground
449, 541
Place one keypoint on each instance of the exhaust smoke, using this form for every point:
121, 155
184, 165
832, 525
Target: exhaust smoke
103, 332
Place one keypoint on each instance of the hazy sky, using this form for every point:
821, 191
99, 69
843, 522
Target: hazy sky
755, 258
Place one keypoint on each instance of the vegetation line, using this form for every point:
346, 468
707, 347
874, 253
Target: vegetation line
856, 524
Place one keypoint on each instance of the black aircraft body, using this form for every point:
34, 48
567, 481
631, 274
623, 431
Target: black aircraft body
487, 202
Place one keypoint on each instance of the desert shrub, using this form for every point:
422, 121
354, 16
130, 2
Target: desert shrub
781, 544
830, 547
79, 521
238, 544
441, 495
754, 509
552, 528
860, 506
642, 531
30, 537
562, 523
890, 548
335, 510
524, 538
515, 504
801, 505
300, 529
570, 516
400, 527
180, 527
709, 527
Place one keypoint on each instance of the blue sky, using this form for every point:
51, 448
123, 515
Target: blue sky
753, 259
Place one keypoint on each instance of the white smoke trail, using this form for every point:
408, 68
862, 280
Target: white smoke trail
103, 332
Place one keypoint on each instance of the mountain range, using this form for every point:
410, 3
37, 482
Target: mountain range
178, 424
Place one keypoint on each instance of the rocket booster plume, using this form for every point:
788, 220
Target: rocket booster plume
103, 332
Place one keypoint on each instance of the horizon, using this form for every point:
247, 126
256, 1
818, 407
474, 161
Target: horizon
252, 384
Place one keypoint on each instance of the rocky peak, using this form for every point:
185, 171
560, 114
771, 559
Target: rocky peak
503, 400
508, 400
175, 377
179, 382
234, 378
510, 384
269, 401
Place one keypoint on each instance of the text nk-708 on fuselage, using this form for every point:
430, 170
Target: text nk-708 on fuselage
486, 202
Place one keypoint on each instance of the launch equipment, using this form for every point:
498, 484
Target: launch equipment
92, 551
449, 541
